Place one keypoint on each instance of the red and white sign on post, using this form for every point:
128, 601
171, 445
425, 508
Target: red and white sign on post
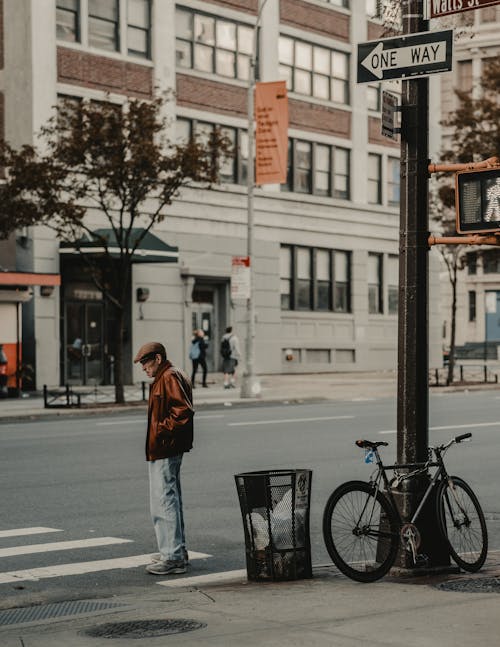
440, 8
240, 278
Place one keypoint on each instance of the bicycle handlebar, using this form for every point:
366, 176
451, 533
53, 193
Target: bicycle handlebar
459, 439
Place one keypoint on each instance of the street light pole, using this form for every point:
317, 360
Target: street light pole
250, 385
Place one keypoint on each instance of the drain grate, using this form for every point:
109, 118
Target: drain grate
476, 585
55, 610
143, 628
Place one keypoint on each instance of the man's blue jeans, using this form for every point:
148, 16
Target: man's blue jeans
165, 499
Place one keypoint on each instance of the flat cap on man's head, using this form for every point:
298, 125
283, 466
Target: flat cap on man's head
150, 349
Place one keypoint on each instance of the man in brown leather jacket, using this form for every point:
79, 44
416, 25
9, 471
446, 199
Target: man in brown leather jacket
169, 435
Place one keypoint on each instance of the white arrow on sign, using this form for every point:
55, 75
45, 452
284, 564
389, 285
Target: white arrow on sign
380, 59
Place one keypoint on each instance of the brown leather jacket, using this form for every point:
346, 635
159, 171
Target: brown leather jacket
170, 414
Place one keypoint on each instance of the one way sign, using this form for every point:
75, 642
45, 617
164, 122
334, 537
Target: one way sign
414, 55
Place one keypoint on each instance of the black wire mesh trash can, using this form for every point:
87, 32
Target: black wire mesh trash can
275, 509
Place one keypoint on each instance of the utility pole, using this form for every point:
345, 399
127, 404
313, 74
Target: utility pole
413, 343
250, 386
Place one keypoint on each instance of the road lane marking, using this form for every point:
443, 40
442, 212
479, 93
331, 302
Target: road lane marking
281, 422
19, 532
81, 568
62, 545
210, 578
448, 427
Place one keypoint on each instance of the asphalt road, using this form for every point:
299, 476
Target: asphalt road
85, 479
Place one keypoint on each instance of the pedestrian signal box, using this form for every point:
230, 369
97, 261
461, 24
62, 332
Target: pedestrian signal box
477, 200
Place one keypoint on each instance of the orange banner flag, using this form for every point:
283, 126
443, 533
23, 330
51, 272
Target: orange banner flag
271, 135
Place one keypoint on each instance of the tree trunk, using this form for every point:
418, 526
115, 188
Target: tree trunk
451, 360
119, 390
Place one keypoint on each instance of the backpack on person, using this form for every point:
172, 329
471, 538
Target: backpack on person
195, 350
225, 347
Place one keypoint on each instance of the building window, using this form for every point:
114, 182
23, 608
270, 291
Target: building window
471, 259
314, 279
313, 70
375, 305
233, 167
139, 28
286, 273
374, 179
103, 25
374, 8
464, 76
317, 169
67, 20
393, 181
213, 45
472, 306
374, 97
491, 262
392, 284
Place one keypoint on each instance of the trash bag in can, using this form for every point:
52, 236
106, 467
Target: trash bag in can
275, 509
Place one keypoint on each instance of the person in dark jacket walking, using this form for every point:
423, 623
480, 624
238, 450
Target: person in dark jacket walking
198, 356
169, 436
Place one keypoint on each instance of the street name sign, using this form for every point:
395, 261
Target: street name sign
405, 56
440, 8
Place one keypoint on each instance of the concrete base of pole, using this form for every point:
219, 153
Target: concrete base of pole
250, 386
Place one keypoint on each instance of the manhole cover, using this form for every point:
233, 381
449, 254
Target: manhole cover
477, 585
143, 628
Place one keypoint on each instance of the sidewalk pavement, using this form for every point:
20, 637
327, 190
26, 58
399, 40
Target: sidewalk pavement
328, 610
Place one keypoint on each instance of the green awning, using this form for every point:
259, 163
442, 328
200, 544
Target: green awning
151, 249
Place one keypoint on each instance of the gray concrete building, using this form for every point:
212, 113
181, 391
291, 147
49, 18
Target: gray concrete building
326, 255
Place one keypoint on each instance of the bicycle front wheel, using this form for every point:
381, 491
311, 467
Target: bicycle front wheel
361, 531
462, 523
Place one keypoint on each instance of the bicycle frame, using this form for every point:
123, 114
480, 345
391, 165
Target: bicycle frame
417, 469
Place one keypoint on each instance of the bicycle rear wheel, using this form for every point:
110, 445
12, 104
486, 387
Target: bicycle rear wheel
361, 531
462, 523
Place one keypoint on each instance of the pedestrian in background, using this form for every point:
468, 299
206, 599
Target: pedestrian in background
198, 356
169, 436
230, 351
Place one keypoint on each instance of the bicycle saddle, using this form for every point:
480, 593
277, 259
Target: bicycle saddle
369, 444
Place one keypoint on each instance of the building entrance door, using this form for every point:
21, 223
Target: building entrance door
84, 352
203, 316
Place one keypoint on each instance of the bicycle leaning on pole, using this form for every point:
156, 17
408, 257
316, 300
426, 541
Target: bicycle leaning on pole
363, 528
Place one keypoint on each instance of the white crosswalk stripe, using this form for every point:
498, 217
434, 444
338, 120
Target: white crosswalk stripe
18, 532
72, 568
61, 545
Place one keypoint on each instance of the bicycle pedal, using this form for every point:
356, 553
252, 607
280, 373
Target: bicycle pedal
421, 561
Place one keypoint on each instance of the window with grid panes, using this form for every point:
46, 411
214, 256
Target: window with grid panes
232, 168
314, 279
303, 167
392, 284
139, 28
314, 70
464, 76
322, 169
214, 45
374, 8
393, 181
375, 283
374, 179
103, 24
67, 20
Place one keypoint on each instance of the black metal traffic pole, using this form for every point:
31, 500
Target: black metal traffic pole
413, 398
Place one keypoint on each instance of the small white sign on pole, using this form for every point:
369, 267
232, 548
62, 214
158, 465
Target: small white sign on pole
240, 278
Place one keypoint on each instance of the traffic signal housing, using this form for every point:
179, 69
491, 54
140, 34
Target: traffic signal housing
477, 200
